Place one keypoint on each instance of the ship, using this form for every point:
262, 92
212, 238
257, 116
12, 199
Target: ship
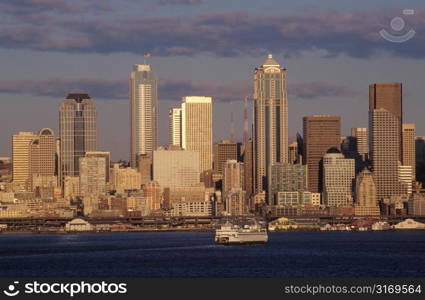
230, 234
381, 225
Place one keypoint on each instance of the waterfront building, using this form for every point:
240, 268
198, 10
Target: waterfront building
197, 128
285, 177
338, 179
78, 135
270, 119
321, 133
175, 167
366, 200
143, 112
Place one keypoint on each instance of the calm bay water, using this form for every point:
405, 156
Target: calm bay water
193, 254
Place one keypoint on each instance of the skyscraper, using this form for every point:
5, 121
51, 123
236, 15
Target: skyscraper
77, 126
385, 127
361, 141
233, 176
143, 112
21, 159
42, 159
175, 126
321, 133
366, 202
224, 151
197, 128
270, 119
92, 176
409, 147
338, 179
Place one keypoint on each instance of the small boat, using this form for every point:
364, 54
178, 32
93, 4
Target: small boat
230, 234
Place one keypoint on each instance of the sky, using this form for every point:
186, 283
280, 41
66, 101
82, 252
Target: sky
332, 50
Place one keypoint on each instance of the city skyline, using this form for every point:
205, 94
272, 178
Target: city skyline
322, 74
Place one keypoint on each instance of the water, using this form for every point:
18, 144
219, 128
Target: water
193, 254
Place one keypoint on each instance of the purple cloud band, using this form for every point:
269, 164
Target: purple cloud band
168, 89
221, 34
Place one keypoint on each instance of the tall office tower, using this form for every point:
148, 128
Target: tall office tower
224, 151
285, 177
338, 179
144, 166
106, 156
77, 127
361, 141
42, 159
321, 133
175, 168
409, 147
143, 111
293, 152
270, 119
21, 159
385, 137
233, 176
366, 201
92, 176
175, 126
197, 128
248, 164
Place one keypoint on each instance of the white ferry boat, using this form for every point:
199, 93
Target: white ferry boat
230, 234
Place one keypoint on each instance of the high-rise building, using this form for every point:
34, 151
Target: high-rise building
405, 176
236, 204
77, 126
409, 147
285, 177
420, 149
197, 128
338, 179
144, 166
21, 159
107, 156
293, 152
321, 133
143, 111
152, 192
233, 175
92, 176
224, 151
42, 159
270, 119
366, 201
385, 127
176, 168
248, 170
360, 136
175, 126
124, 179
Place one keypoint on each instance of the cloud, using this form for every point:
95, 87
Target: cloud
222, 34
186, 2
168, 89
